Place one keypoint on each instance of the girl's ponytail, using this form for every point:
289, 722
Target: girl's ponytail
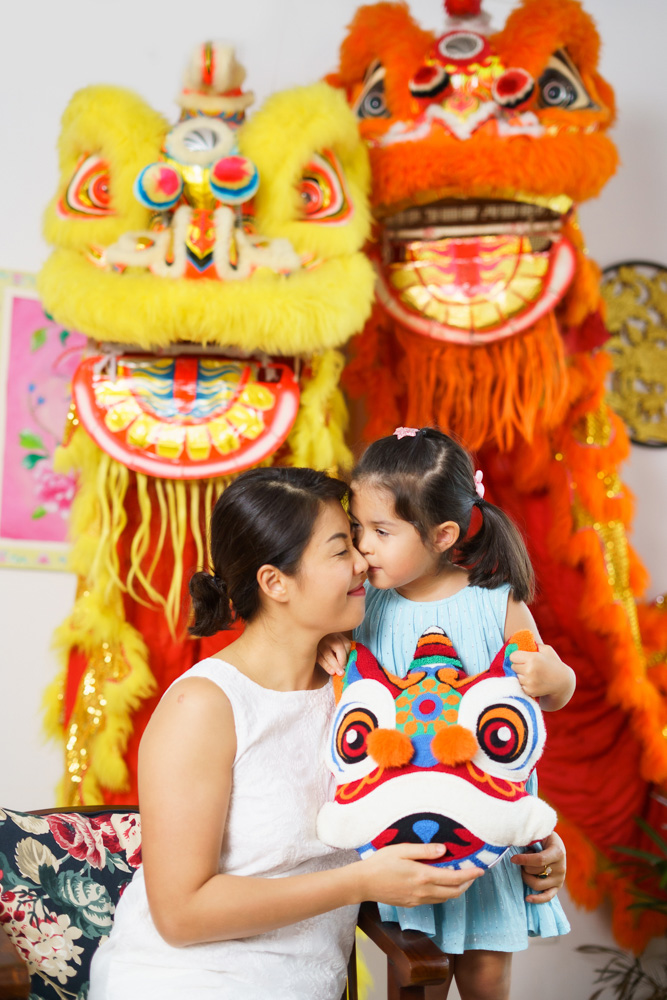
496, 554
210, 604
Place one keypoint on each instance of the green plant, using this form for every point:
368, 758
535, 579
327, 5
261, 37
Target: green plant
647, 868
626, 976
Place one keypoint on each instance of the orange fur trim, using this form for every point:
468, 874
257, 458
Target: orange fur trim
484, 166
633, 929
390, 748
454, 745
374, 371
582, 866
583, 296
537, 28
519, 378
384, 31
581, 478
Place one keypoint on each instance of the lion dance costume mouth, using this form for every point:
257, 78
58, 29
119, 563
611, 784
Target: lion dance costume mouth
487, 322
216, 268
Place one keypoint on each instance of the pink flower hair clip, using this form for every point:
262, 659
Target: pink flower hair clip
479, 485
405, 432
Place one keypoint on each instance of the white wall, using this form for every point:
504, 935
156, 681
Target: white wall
49, 49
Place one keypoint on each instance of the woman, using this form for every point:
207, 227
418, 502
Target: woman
237, 898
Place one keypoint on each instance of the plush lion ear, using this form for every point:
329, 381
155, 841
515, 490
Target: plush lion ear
108, 136
362, 665
523, 639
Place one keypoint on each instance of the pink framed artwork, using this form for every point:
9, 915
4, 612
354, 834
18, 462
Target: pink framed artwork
37, 360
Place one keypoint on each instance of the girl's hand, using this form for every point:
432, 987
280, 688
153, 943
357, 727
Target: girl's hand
544, 675
551, 856
332, 653
394, 875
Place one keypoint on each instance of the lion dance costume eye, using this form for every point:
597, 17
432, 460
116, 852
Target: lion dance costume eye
216, 267
488, 323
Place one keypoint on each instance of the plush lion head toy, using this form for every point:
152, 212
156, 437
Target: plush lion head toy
436, 756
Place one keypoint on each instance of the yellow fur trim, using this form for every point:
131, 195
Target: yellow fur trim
120, 127
116, 678
280, 140
310, 310
317, 438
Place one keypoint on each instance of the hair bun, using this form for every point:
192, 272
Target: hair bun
210, 602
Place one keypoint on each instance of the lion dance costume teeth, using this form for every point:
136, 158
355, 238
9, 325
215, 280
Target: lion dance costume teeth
216, 267
488, 322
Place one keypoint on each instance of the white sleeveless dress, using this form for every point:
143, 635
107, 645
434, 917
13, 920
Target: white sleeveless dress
279, 782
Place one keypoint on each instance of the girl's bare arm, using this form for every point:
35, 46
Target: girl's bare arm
542, 674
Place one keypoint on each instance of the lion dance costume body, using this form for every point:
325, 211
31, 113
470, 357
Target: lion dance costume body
206, 263
487, 322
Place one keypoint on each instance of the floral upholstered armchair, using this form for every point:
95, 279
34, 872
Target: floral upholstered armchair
61, 876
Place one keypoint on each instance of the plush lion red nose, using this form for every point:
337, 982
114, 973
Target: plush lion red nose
389, 747
454, 745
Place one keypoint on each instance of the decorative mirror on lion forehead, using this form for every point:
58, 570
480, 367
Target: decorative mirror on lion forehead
435, 756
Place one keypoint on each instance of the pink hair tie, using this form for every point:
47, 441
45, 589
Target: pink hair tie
479, 486
405, 432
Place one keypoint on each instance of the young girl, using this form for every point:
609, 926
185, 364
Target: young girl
413, 498
237, 899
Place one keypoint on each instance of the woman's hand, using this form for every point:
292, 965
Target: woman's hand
395, 875
551, 856
332, 653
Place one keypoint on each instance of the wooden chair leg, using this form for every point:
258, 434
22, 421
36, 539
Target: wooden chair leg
416, 968
350, 991
395, 991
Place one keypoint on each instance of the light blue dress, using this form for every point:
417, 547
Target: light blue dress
492, 914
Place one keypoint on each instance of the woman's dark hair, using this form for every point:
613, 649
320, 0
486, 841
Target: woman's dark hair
265, 516
431, 477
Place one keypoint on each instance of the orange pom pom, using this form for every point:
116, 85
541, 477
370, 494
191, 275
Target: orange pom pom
454, 745
390, 748
525, 640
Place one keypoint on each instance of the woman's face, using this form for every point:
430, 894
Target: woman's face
327, 594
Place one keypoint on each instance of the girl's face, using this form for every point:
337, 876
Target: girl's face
393, 548
327, 592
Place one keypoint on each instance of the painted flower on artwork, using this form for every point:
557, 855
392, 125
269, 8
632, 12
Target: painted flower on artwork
54, 490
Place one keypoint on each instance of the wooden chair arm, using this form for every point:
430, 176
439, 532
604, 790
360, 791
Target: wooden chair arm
14, 978
416, 961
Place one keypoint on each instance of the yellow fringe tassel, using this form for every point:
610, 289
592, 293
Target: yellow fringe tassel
116, 676
317, 438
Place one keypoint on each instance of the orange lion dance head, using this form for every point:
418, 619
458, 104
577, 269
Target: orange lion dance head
481, 144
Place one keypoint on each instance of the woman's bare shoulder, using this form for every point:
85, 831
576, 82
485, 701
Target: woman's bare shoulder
194, 710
